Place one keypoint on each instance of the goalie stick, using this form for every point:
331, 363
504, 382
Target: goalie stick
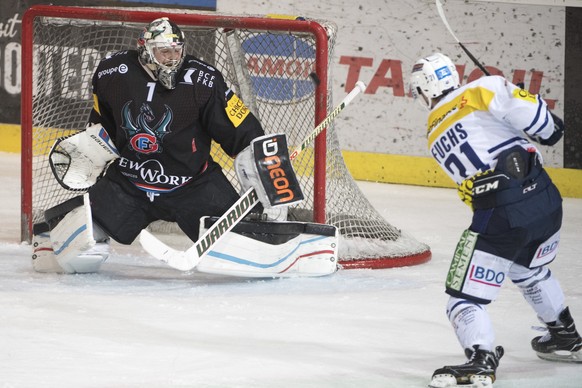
189, 259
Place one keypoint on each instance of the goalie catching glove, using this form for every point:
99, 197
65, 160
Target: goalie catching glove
79, 160
265, 166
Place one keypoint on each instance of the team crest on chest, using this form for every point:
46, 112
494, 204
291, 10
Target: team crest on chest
144, 132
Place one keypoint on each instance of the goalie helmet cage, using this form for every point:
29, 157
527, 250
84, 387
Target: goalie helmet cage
267, 61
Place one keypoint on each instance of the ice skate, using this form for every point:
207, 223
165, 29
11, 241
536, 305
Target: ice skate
478, 372
561, 342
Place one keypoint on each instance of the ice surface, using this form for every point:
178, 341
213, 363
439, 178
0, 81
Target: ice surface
140, 324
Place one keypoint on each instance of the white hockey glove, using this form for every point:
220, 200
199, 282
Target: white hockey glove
265, 166
79, 160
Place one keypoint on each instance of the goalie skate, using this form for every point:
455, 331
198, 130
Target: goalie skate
478, 372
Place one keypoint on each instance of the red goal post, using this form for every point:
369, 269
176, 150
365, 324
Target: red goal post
266, 60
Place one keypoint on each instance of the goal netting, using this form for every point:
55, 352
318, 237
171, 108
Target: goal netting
267, 61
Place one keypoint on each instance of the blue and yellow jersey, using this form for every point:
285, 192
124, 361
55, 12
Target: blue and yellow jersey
469, 127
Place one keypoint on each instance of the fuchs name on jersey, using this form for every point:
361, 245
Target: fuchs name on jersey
446, 142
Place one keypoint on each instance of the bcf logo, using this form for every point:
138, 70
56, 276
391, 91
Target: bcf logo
487, 276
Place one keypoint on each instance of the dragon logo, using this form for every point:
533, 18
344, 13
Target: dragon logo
143, 136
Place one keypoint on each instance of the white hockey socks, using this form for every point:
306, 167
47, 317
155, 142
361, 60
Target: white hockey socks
471, 323
541, 290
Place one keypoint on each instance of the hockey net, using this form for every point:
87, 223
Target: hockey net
266, 61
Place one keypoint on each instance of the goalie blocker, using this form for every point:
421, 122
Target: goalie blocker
265, 166
272, 249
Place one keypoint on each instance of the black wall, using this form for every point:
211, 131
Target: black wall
573, 89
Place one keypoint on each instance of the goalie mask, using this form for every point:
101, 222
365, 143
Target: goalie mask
433, 77
161, 49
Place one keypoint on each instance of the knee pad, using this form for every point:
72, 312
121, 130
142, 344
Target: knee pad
540, 289
471, 323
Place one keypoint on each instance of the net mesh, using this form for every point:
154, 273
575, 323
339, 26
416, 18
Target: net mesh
269, 70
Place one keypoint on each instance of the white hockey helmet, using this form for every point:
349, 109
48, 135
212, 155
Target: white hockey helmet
432, 77
161, 49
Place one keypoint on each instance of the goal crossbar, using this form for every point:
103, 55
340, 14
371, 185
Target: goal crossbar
280, 68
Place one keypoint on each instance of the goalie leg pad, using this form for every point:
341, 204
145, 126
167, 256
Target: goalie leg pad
88, 261
72, 236
273, 249
43, 256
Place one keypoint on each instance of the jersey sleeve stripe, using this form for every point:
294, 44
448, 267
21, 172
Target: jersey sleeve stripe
535, 125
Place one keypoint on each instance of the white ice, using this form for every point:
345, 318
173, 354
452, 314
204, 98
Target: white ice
140, 324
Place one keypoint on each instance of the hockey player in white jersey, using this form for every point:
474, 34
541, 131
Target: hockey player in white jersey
483, 136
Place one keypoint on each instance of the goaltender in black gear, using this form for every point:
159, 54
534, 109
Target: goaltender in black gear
156, 111
162, 109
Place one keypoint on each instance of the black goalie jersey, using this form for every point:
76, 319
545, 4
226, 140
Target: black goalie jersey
164, 136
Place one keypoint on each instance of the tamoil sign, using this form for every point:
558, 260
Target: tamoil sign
279, 66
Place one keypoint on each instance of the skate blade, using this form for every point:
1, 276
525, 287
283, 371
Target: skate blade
449, 381
562, 356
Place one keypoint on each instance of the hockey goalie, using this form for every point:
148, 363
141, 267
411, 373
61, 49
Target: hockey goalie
145, 156
264, 245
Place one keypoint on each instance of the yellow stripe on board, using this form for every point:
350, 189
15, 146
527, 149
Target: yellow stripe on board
10, 137
367, 166
424, 171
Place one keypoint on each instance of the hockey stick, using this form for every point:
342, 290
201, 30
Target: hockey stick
189, 259
441, 12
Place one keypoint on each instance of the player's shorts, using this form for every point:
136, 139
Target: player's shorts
518, 231
123, 210
525, 232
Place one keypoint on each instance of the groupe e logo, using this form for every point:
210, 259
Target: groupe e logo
121, 69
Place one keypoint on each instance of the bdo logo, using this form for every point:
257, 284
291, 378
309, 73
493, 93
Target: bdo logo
487, 276
279, 66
